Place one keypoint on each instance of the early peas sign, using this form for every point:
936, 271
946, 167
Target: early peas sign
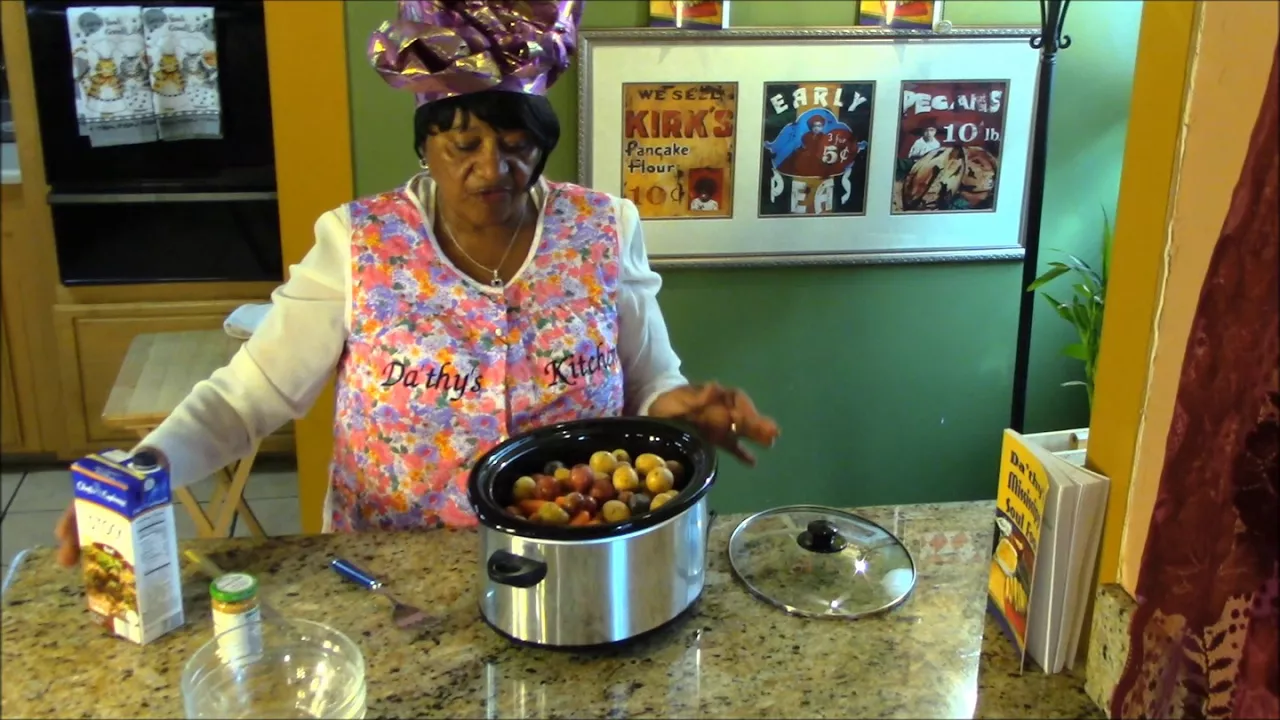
677, 148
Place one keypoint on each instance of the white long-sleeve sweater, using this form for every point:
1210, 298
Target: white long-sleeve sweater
278, 373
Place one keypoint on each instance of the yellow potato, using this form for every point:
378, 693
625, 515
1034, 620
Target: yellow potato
625, 478
659, 480
648, 462
603, 461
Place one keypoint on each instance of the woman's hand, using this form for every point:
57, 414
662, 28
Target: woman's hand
723, 415
68, 537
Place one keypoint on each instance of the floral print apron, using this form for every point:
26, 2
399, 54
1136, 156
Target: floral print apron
438, 368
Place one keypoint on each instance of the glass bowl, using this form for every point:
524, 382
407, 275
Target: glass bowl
298, 669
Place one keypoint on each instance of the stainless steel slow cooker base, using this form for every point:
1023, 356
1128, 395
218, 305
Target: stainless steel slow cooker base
593, 586
599, 647
595, 592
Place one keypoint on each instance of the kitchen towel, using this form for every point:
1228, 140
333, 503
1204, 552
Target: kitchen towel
184, 73
244, 320
109, 70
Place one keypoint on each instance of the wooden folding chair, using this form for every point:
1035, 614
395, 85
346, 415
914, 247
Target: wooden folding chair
158, 371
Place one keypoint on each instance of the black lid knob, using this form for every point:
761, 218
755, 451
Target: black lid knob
822, 536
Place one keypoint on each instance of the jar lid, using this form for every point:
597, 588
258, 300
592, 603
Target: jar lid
821, 562
234, 587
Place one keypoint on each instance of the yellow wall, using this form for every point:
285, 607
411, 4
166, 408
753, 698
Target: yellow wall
1196, 98
1231, 69
306, 54
1164, 46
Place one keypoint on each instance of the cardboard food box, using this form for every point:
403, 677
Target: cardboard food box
128, 544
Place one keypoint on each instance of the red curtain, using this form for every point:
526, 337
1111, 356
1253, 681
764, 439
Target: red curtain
1203, 643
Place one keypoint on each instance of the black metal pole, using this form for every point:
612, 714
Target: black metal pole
1048, 42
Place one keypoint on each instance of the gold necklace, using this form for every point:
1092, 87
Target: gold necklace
497, 278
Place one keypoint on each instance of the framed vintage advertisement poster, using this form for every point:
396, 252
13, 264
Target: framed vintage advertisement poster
814, 149
689, 14
917, 14
746, 147
948, 153
678, 149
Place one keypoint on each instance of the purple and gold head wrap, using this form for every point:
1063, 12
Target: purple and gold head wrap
444, 48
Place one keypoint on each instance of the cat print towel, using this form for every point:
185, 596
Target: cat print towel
184, 73
108, 61
143, 74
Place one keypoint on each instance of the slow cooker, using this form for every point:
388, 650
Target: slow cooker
574, 587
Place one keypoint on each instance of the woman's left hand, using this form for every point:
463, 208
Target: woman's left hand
723, 415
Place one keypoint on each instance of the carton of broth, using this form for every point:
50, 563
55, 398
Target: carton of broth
128, 544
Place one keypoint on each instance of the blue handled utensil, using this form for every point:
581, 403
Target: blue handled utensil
404, 616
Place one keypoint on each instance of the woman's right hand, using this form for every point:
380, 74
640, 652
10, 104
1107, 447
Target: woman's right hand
68, 537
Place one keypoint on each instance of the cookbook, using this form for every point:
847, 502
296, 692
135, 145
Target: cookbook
1049, 513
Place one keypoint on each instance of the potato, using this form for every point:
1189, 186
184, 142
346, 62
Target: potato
525, 488
603, 461
571, 503
621, 455
639, 503
648, 462
548, 488
659, 480
562, 475
552, 514
603, 491
625, 478
615, 511
580, 478
660, 500
677, 472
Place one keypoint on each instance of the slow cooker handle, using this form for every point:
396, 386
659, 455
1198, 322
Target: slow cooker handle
506, 568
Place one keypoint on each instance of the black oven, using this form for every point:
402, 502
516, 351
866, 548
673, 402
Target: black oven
165, 211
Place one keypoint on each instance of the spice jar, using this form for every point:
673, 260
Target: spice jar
237, 614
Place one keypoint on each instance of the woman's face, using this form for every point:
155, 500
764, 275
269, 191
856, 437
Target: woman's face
481, 173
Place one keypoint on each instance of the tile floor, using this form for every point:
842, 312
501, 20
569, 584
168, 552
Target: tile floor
32, 500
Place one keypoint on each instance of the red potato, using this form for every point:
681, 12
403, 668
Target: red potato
677, 471
603, 491
590, 504
580, 478
572, 502
548, 488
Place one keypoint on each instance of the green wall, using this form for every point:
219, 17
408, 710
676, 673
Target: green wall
891, 383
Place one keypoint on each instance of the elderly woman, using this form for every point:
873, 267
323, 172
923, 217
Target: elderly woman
478, 301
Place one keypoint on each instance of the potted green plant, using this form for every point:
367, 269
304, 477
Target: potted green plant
1084, 310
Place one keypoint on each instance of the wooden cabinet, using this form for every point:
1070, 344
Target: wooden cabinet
19, 390
92, 343
10, 420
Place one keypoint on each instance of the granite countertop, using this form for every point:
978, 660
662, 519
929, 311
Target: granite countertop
733, 656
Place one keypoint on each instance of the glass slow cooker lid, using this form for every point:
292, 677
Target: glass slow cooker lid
821, 562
